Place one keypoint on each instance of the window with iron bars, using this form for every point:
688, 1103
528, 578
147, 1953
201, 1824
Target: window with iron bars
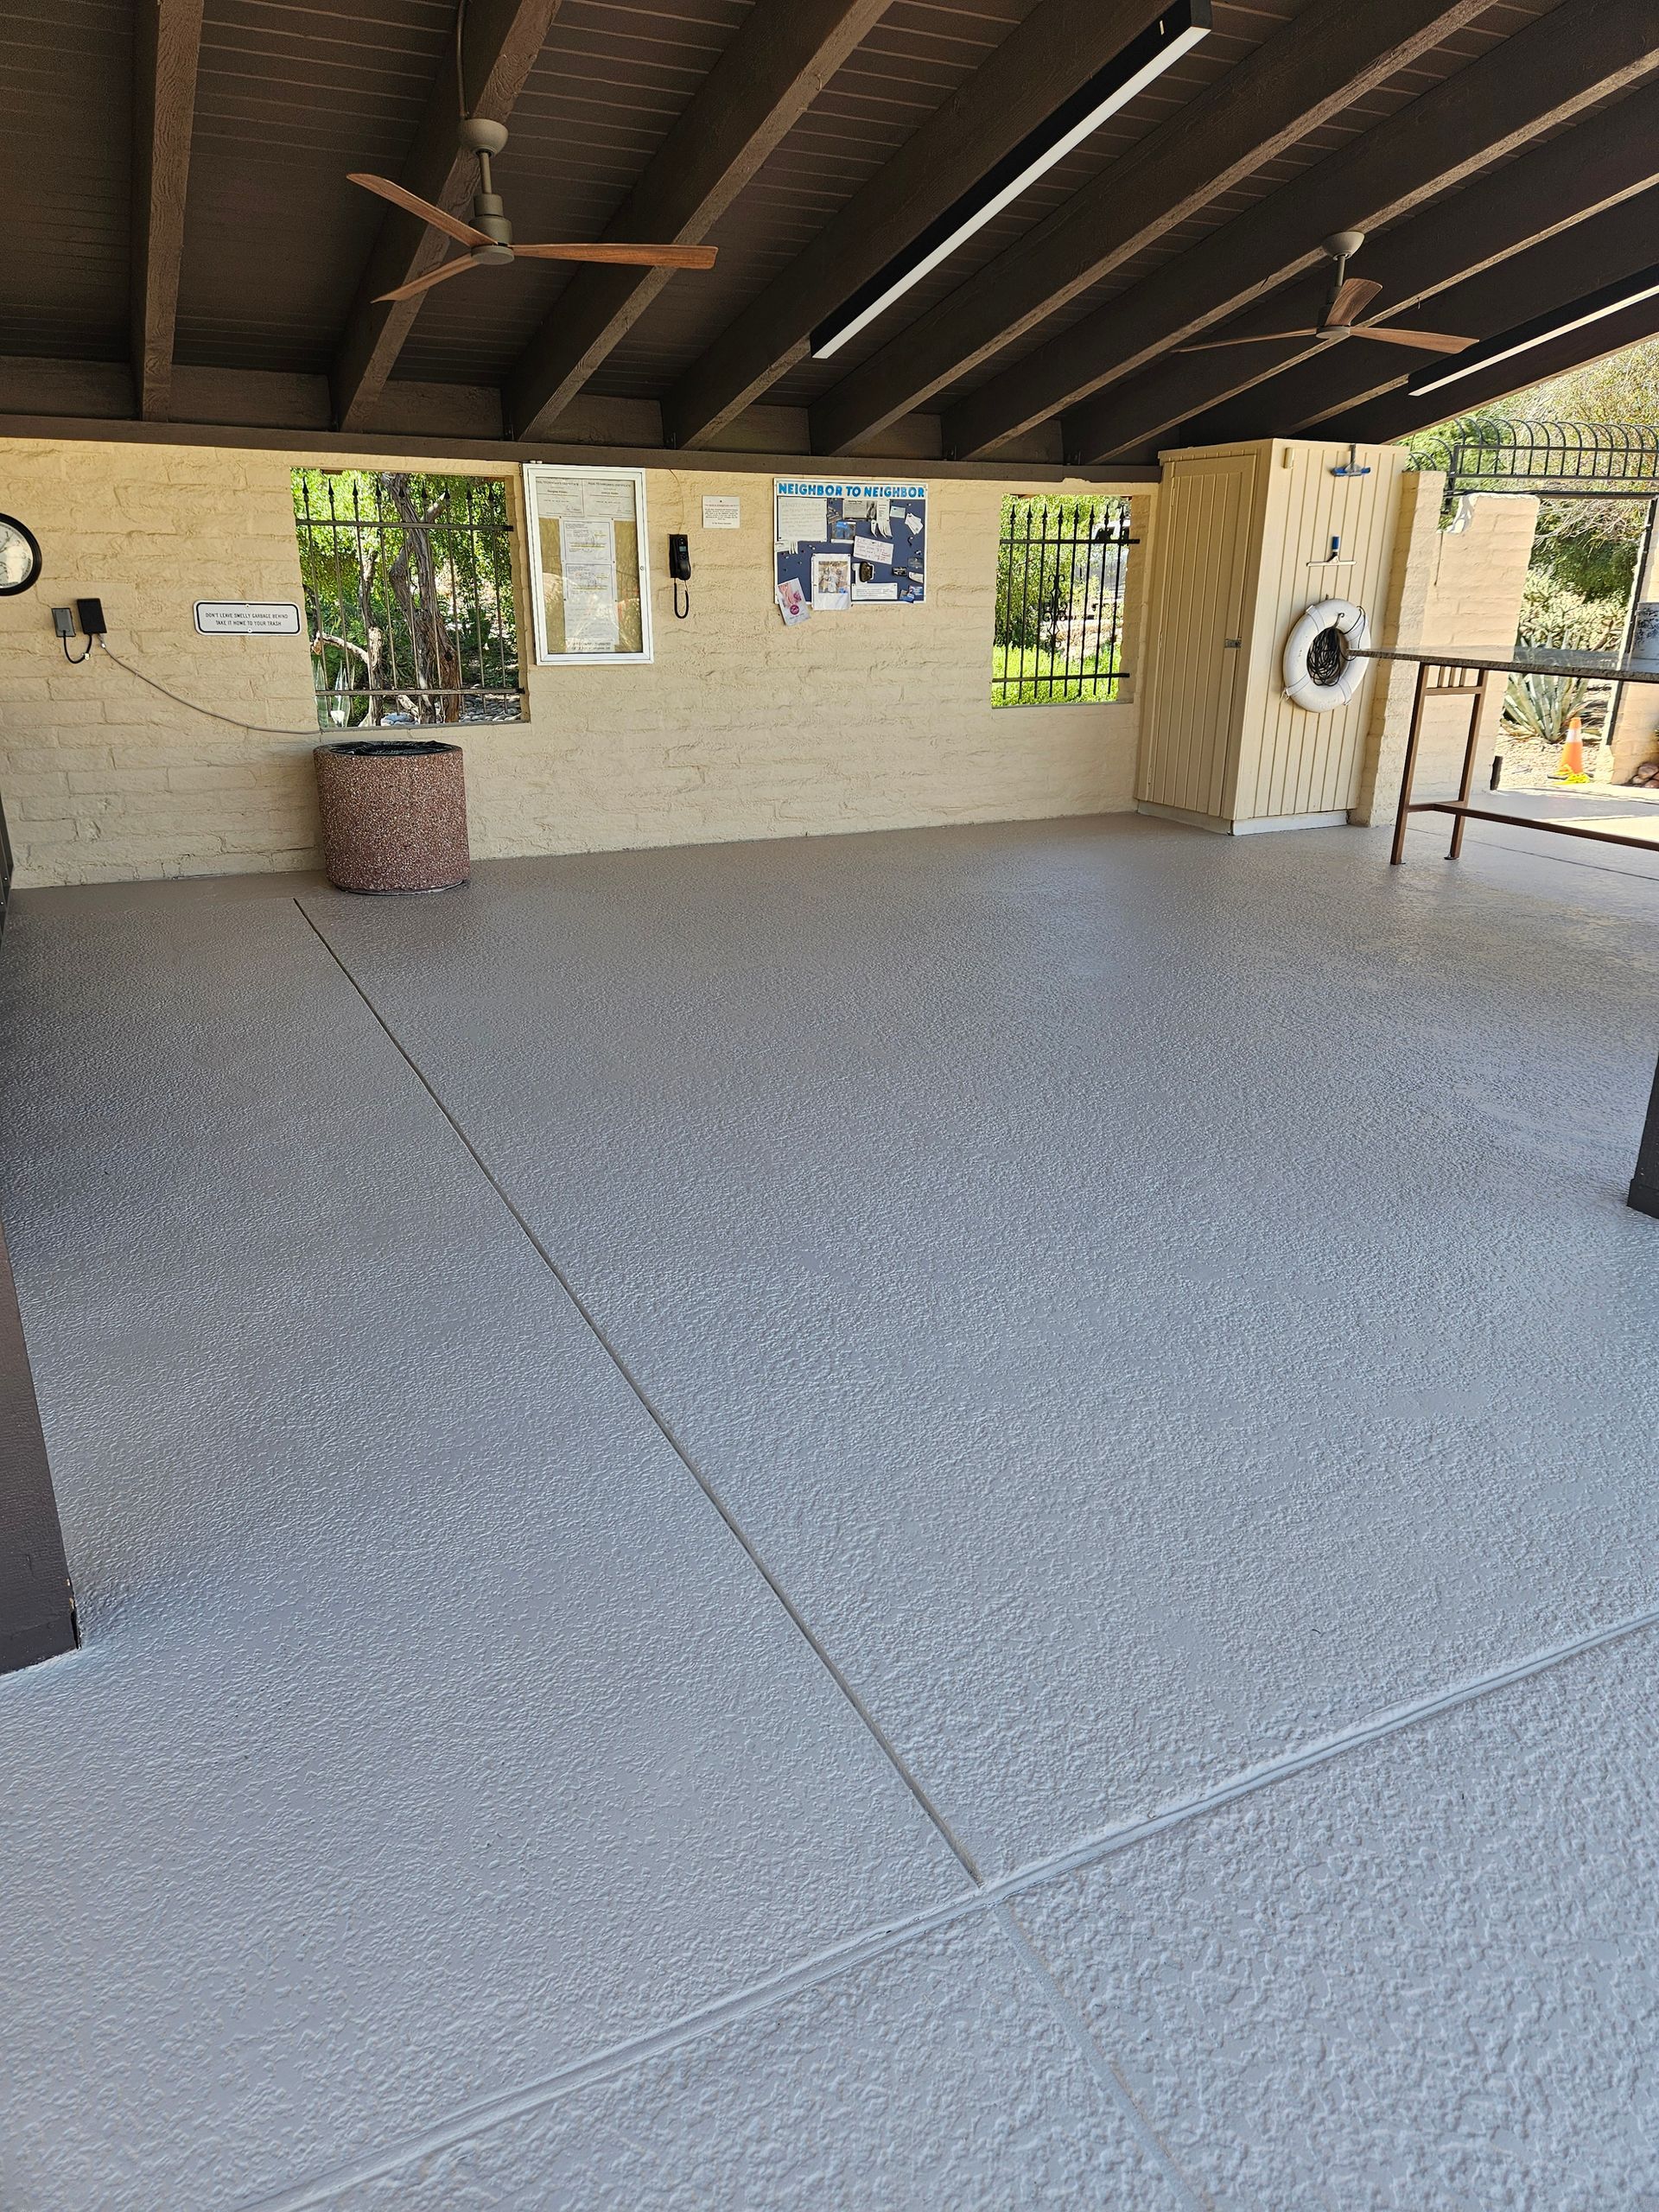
409, 601
1061, 566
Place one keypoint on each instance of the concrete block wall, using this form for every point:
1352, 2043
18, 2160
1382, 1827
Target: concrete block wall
1458, 586
876, 720
1636, 724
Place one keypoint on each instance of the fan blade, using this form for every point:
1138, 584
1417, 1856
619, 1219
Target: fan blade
1350, 298
432, 277
1256, 337
1433, 341
633, 257
439, 219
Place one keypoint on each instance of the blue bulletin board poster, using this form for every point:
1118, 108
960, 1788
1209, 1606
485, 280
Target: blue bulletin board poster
844, 544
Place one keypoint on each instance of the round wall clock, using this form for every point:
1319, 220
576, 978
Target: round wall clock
19, 555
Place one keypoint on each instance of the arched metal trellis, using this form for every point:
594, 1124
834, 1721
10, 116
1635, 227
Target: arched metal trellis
1580, 460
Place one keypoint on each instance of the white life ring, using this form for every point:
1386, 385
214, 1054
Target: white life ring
1320, 692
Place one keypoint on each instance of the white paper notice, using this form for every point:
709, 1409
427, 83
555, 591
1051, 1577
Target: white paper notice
800, 518
868, 592
721, 513
562, 498
610, 498
588, 555
585, 499
879, 549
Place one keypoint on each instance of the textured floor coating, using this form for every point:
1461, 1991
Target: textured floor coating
432, 1731
1150, 1304
934, 2079
1425, 1974
1099, 1262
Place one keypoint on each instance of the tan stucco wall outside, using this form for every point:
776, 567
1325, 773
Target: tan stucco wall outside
878, 720
1459, 587
1636, 724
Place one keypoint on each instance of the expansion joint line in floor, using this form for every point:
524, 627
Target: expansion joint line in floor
986, 1895
873, 1944
958, 1849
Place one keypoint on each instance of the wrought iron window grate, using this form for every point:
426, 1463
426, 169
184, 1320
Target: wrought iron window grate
1061, 567
409, 602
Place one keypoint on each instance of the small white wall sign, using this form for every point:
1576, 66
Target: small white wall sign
719, 512
244, 618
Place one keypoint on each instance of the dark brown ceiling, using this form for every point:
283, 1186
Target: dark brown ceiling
274, 242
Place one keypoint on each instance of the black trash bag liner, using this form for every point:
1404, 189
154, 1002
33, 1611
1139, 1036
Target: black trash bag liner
381, 748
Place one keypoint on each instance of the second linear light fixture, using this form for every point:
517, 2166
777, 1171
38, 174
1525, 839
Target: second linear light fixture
1594, 306
1176, 31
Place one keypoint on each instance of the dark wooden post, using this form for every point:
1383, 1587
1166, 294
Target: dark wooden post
1644, 1187
37, 1606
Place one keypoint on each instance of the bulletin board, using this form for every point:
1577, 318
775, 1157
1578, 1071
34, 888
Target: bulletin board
587, 561
844, 544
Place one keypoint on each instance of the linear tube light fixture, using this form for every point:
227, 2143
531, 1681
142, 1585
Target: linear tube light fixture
1176, 31
1595, 306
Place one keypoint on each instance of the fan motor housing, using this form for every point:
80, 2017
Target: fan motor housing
488, 216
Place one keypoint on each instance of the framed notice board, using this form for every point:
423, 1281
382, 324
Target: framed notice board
846, 544
588, 565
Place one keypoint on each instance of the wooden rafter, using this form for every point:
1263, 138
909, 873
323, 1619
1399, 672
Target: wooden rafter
166, 50
1397, 415
1539, 79
775, 67
1330, 55
504, 39
1057, 49
1544, 279
1570, 181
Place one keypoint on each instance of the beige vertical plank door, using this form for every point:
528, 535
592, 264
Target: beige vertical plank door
1198, 612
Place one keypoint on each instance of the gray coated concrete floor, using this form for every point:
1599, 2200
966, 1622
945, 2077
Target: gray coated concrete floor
953, 1519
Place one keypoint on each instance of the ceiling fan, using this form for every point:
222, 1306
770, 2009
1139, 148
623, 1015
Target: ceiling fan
489, 234
1350, 296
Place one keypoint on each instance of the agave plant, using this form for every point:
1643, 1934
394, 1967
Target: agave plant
1541, 706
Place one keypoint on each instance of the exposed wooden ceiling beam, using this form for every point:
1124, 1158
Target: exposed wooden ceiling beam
166, 48
1546, 279
1540, 78
1306, 74
271, 410
1553, 277
775, 67
1569, 180
1556, 278
1041, 62
504, 39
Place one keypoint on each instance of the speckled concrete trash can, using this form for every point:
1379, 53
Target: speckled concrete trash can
394, 815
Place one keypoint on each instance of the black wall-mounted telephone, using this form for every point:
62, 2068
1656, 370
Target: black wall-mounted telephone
679, 568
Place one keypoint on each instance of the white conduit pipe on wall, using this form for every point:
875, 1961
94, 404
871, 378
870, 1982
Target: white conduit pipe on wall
1319, 693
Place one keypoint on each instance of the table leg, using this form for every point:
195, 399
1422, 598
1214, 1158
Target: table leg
1463, 786
1409, 769
1644, 1188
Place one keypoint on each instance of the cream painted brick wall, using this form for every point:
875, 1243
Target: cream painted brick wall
1459, 587
1474, 601
741, 729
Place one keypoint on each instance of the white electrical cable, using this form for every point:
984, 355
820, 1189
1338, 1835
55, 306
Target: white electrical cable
262, 730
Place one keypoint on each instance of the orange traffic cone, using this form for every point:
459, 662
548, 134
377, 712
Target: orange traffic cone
1570, 767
